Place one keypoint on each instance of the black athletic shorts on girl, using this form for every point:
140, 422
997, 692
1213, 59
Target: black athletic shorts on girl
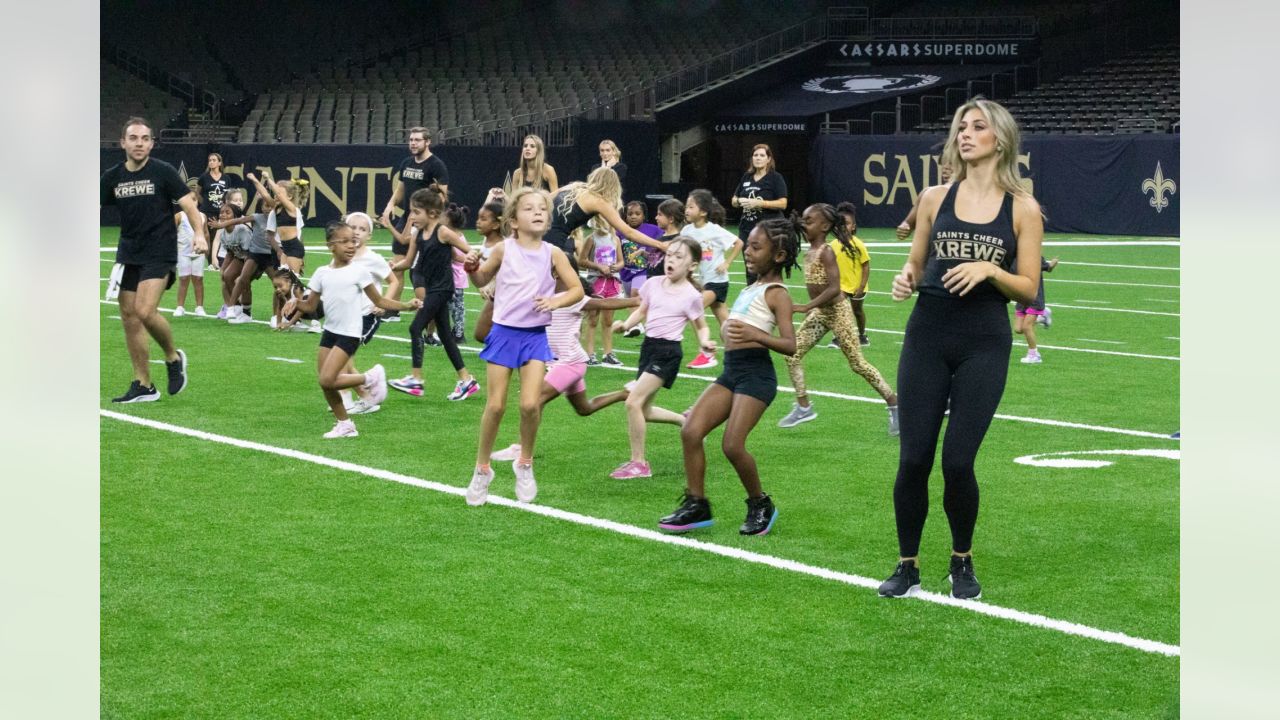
370, 325
293, 248
346, 343
720, 289
749, 371
660, 357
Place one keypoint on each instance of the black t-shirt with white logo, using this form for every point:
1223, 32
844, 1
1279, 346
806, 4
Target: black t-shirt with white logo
769, 187
417, 175
211, 191
146, 200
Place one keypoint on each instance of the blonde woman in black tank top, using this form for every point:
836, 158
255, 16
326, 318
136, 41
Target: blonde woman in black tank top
976, 246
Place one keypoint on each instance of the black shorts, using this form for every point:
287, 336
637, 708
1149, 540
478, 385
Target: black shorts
371, 323
134, 274
750, 372
265, 262
660, 357
720, 289
348, 344
293, 249
399, 248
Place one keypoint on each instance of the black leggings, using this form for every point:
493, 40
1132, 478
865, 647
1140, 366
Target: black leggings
435, 306
960, 353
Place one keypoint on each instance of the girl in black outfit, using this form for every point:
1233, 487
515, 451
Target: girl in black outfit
761, 193
976, 246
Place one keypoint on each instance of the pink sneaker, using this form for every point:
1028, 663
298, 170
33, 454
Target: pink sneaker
629, 470
703, 361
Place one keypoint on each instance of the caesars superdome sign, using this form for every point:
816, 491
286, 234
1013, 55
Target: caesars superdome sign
932, 51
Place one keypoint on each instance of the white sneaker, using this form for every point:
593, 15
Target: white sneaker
348, 403
273, 323
1047, 318
1032, 358
315, 327
362, 407
199, 311
240, 319
375, 382
478, 490
179, 312
526, 487
510, 453
344, 428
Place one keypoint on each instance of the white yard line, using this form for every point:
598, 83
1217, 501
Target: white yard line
294, 361
1093, 302
1108, 342
1017, 616
1055, 306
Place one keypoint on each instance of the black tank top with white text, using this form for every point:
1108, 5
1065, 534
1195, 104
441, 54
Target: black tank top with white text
953, 241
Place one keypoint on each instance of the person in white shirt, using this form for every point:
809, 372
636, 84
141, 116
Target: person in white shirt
190, 265
719, 248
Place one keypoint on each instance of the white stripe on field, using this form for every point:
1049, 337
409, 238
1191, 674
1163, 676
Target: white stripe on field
1048, 279
1109, 342
1018, 616
1173, 338
824, 393
1119, 310
1127, 267
295, 361
1094, 302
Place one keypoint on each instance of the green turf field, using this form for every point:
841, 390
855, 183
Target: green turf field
268, 580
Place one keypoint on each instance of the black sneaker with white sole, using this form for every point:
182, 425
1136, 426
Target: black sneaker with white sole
964, 584
760, 516
904, 581
137, 393
177, 373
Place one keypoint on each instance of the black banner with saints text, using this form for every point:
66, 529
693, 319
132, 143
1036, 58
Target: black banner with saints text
1103, 184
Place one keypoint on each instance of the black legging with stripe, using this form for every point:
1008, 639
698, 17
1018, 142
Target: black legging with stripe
953, 350
435, 306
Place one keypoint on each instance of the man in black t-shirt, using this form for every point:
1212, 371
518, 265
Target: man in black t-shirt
145, 192
413, 173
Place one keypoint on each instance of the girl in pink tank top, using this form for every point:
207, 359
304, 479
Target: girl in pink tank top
526, 271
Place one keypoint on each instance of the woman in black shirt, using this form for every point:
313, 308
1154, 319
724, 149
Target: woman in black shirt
761, 193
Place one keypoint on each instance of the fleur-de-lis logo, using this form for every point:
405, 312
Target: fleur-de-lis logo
1158, 185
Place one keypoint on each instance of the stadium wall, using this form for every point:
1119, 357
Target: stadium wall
1104, 184
346, 178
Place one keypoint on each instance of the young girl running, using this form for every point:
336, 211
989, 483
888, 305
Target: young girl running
490, 225
1025, 316
636, 257
526, 269
430, 255
719, 248
455, 218
602, 258
746, 386
666, 306
190, 265
826, 310
371, 315
340, 285
670, 218
855, 268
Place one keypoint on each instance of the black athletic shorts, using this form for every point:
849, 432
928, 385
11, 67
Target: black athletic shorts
348, 344
134, 274
660, 357
293, 249
720, 289
371, 323
264, 261
749, 371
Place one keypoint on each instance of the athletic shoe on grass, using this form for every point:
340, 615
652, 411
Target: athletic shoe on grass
798, 415
464, 389
964, 584
904, 582
692, 514
410, 385
343, 428
199, 312
703, 361
375, 383
510, 453
893, 421
760, 516
526, 486
179, 311
610, 359
177, 373
137, 393
363, 407
478, 490
636, 331
629, 470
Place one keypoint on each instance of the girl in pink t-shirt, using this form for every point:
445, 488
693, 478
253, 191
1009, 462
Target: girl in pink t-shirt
667, 305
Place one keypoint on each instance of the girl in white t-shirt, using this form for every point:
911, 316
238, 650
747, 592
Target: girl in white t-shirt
719, 248
601, 257
190, 265
341, 285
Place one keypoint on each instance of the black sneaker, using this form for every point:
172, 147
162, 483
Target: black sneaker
863, 340
136, 393
760, 516
692, 514
905, 581
964, 585
177, 373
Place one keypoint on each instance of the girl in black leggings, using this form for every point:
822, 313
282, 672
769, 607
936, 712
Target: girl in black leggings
430, 257
976, 246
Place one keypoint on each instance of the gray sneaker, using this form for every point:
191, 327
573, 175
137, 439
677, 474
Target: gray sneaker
798, 415
893, 421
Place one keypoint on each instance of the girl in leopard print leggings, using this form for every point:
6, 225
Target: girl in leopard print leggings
826, 310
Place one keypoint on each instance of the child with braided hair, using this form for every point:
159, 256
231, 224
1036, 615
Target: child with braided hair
826, 310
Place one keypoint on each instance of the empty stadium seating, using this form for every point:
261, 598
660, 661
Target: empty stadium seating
124, 95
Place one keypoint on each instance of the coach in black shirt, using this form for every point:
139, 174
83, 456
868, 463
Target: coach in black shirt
761, 193
145, 191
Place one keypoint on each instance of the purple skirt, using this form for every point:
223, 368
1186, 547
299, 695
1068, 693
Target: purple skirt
512, 347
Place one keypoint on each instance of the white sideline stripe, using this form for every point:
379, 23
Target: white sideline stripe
1173, 338
295, 361
398, 357
1127, 267
1048, 279
1171, 302
1108, 342
1119, 310
1018, 616
825, 393
1094, 302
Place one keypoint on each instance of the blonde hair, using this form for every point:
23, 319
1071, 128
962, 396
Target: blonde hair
602, 181
1008, 141
513, 202
617, 154
357, 215
297, 192
531, 169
